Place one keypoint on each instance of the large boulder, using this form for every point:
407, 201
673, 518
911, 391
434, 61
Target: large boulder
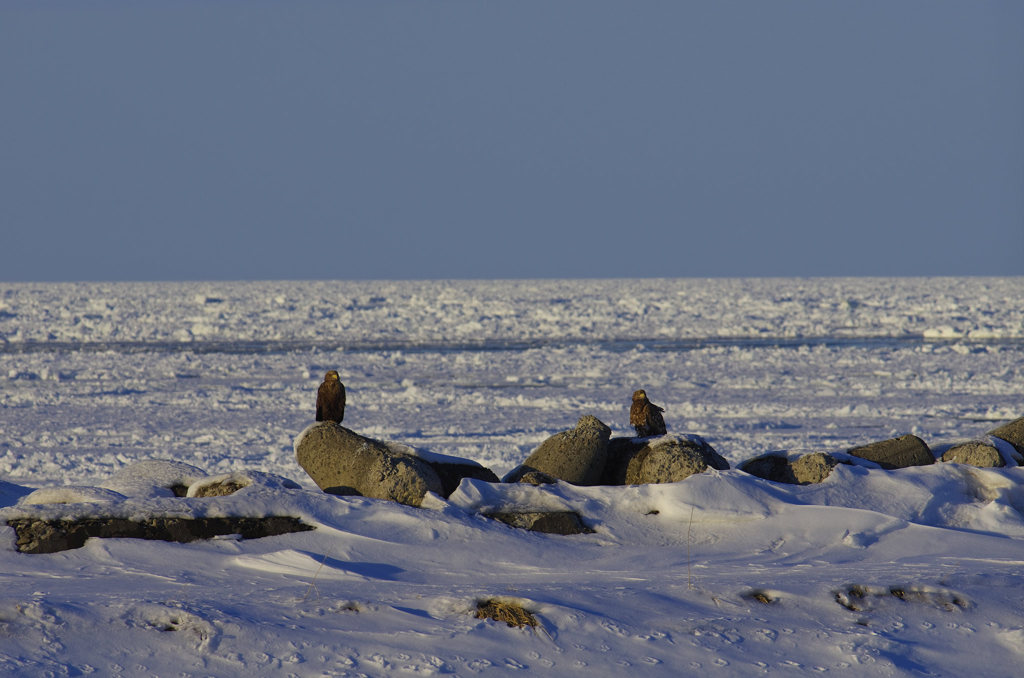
975, 453
341, 461
665, 459
908, 450
1012, 433
576, 456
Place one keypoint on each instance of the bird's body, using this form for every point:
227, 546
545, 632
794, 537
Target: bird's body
330, 399
645, 416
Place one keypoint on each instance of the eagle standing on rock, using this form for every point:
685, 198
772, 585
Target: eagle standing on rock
645, 416
330, 399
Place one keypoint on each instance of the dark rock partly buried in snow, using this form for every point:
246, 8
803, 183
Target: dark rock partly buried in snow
536, 478
974, 453
549, 522
774, 467
667, 459
807, 469
229, 483
341, 461
36, 535
451, 474
576, 456
908, 450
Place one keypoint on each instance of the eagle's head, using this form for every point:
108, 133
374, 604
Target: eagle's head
331, 376
640, 395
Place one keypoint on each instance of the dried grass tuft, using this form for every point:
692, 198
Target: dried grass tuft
513, 614
760, 596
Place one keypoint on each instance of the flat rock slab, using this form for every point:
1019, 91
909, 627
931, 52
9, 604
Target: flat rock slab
36, 535
549, 522
908, 450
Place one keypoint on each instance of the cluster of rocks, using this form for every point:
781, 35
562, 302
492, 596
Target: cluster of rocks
341, 461
999, 446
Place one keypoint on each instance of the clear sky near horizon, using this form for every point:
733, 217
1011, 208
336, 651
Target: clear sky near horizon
189, 140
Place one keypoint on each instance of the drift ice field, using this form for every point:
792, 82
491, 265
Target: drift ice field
911, 572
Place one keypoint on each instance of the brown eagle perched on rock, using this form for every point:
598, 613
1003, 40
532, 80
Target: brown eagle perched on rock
330, 399
645, 416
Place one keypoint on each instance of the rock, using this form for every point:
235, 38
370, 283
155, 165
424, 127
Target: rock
808, 469
1012, 433
452, 474
450, 470
341, 461
537, 478
576, 456
229, 483
621, 452
549, 522
35, 535
908, 450
813, 468
773, 466
975, 453
667, 459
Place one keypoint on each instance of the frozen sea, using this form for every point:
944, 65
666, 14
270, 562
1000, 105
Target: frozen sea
916, 572
223, 375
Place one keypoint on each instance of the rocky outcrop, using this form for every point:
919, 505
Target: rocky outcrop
577, 456
666, 459
36, 535
908, 450
341, 461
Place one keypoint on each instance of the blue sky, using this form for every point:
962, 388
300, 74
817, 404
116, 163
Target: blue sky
231, 140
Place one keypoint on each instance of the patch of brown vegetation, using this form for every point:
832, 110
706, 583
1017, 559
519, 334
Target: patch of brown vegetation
513, 614
760, 596
859, 598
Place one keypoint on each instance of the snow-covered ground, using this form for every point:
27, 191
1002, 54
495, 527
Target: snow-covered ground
96, 377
